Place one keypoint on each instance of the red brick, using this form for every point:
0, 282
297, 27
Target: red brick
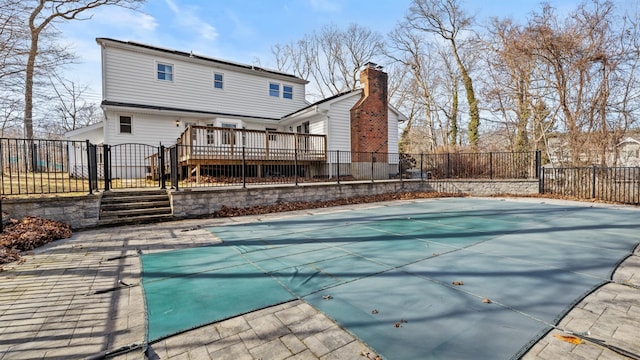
369, 117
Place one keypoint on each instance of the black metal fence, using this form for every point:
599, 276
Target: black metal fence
55, 166
45, 167
613, 184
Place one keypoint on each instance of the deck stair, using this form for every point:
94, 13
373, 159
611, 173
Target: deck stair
134, 207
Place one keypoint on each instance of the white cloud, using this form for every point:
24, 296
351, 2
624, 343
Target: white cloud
120, 18
188, 18
325, 5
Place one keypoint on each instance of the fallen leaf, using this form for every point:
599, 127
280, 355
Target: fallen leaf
567, 338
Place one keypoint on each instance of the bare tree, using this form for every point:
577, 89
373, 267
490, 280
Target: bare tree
408, 49
12, 36
41, 14
578, 57
70, 108
330, 58
511, 68
447, 20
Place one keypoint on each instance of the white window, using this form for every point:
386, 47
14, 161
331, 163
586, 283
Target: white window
287, 92
274, 89
217, 81
272, 137
125, 124
211, 135
164, 71
228, 134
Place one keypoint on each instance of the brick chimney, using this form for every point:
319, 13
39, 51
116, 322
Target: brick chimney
369, 116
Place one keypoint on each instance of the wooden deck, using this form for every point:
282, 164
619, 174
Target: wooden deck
200, 146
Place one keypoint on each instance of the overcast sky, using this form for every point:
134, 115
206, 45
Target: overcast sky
244, 30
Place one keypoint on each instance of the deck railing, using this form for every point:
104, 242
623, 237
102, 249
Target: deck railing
211, 143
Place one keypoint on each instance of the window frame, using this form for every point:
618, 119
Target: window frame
221, 81
285, 92
274, 89
120, 124
158, 72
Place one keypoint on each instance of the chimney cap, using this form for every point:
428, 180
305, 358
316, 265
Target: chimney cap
373, 65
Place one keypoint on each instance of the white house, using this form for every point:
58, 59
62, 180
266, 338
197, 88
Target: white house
153, 95
629, 152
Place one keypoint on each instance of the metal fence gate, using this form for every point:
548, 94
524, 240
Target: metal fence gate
133, 166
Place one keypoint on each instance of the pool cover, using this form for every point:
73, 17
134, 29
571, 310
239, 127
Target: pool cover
410, 279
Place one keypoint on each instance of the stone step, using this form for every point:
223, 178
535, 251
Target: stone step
134, 207
162, 203
120, 213
143, 219
133, 199
118, 193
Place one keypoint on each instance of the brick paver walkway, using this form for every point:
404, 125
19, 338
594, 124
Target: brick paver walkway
71, 300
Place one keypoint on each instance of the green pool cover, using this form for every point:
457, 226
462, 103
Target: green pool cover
534, 261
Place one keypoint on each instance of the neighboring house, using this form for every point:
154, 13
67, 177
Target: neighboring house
153, 96
628, 152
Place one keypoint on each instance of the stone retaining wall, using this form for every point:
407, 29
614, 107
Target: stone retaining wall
83, 211
77, 211
196, 202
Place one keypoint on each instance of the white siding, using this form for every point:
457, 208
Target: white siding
393, 132
130, 77
339, 127
318, 125
95, 136
150, 129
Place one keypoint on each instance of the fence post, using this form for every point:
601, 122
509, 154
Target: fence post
106, 150
372, 165
541, 182
162, 164
34, 156
593, 182
295, 165
421, 168
448, 165
244, 165
173, 164
491, 164
89, 167
400, 169
538, 163
338, 165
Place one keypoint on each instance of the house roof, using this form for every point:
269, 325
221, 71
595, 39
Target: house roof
166, 108
191, 55
401, 116
628, 140
323, 101
84, 129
